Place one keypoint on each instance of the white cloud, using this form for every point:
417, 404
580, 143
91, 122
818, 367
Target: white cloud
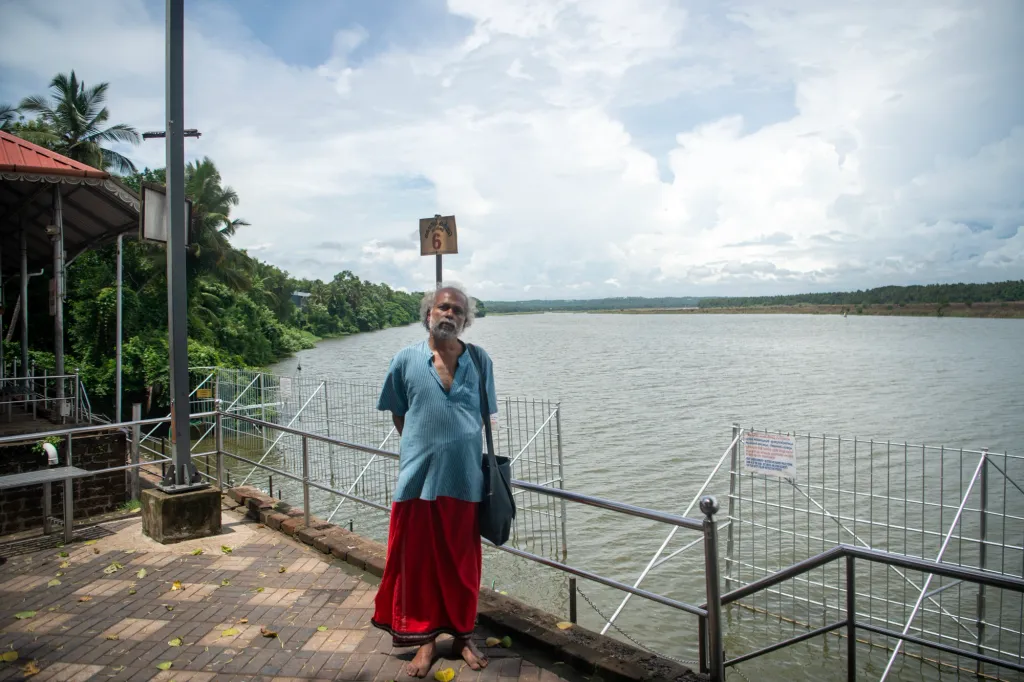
898, 158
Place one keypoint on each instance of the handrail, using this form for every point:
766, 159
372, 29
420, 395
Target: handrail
610, 505
850, 553
85, 430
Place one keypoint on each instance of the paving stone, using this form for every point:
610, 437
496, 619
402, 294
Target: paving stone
124, 627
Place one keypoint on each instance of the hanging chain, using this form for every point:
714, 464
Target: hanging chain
632, 639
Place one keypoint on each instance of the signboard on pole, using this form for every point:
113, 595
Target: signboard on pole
153, 216
770, 454
438, 235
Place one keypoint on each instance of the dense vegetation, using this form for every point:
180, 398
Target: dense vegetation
939, 294
240, 310
624, 303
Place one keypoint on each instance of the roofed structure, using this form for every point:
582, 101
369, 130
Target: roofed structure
96, 206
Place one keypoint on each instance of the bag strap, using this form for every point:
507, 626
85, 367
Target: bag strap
474, 354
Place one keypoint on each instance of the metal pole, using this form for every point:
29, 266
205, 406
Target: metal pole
219, 438
733, 469
561, 484
136, 431
572, 600
78, 395
69, 501
716, 656
305, 481
980, 668
851, 620
437, 269
24, 296
177, 293
58, 293
120, 324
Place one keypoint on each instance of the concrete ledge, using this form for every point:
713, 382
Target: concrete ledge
588, 652
169, 518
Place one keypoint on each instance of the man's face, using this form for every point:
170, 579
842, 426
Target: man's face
448, 316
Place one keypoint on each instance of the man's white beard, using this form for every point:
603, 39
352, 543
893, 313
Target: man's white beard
443, 330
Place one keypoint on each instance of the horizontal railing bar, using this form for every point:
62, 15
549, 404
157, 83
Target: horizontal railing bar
609, 582
641, 512
85, 430
942, 647
871, 442
621, 507
823, 630
312, 484
974, 575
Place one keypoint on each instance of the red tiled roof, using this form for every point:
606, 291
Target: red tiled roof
20, 156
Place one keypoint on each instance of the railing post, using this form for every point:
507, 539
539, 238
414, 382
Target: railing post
983, 533
136, 432
572, 600
78, 397
69, 501
715, 654
733, 468
851, 620
218, 426
305, 481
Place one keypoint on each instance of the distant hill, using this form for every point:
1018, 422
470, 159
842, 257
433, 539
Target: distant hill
590, 305
939, 294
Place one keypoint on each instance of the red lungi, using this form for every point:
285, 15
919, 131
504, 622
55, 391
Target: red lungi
432, 572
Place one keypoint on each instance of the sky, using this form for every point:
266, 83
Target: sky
587, 148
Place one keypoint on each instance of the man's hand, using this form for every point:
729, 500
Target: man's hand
399, 422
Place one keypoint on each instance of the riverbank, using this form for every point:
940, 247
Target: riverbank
1004, 309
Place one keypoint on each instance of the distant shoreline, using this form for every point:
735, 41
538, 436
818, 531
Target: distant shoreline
996, 310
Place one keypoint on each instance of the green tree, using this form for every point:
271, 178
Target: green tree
8, 117
75, 124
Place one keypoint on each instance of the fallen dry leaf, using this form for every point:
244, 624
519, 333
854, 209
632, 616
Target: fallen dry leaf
176, 585
60, 573
95, 550
113, 637
267, 632
53, 583
243, 620
225, 582
9, 656
492, 641
225, 549
62, 554
85, 598
24, 614
131, 590
113, 568
141, 573
175, 642
444, 675
259, 589
29, 669
321, 628
166, 665
564, 625
197, 551
282, 569
168, 607
90, 542
65, 564
230, 632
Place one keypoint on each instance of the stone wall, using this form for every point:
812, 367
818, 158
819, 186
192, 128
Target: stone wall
22, 508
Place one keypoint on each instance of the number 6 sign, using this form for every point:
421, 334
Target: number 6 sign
438, 235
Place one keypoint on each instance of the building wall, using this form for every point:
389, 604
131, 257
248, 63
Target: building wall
22, 508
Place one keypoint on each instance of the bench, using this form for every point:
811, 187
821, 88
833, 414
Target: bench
46, 477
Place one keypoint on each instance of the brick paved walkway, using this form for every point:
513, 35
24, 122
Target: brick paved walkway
122, 599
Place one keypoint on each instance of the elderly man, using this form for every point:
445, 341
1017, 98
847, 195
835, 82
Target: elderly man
431, 579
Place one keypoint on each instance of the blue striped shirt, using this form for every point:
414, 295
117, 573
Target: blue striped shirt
442, 445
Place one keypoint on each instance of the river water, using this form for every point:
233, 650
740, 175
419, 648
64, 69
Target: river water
647, 407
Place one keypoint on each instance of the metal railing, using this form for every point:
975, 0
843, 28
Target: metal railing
62, 396
709, 615
850, 623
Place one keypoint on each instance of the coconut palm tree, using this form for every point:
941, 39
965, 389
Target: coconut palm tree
76, 121
212, 225
8, 115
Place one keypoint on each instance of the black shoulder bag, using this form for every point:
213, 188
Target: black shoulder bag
497, 508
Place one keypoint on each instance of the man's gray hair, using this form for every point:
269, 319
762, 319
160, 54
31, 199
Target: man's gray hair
430, 297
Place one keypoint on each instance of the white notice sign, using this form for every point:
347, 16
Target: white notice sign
769, 454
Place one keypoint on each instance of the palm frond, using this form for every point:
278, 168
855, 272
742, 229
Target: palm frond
119, 163
117, 133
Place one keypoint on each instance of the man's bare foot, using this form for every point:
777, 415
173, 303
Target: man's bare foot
470, 654
421, 662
